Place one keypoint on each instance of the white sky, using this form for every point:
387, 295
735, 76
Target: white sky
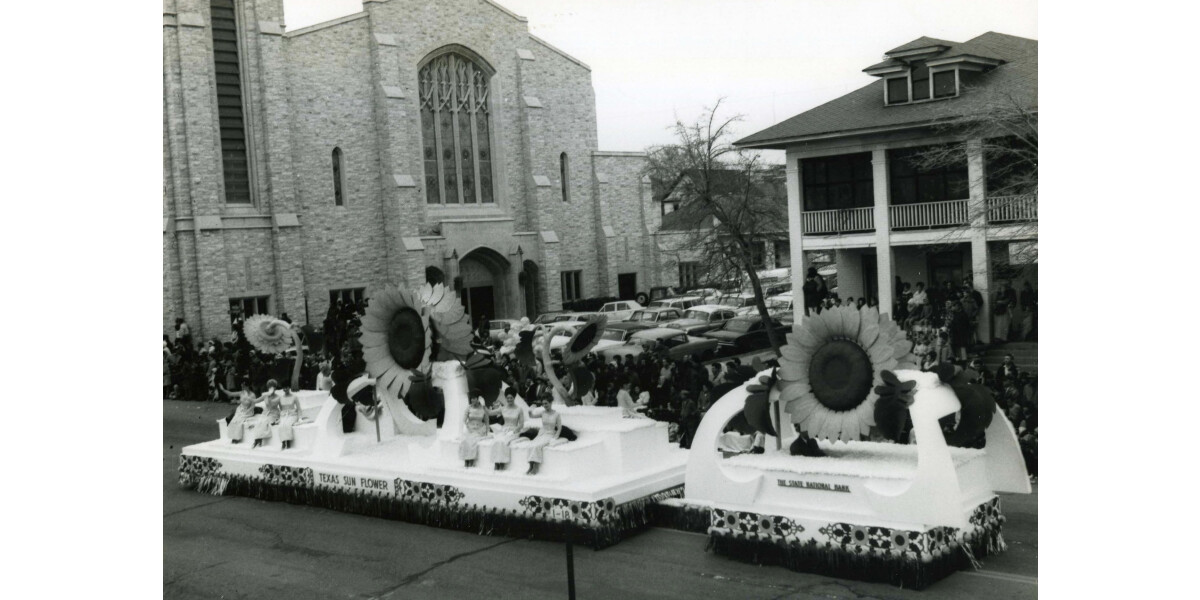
769, 59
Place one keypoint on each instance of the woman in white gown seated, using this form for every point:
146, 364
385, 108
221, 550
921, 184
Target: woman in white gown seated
261, 425
243, 413
475, 422
547, 435
289, 415
509, 431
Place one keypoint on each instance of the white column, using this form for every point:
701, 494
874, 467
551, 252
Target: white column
795, 204
977, 216
883, 242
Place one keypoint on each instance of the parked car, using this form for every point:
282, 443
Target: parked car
735, 299
676, 343
744, 334
680, 302
655, 315
615, 334
779, 303
546, 320
701, 318
619, 310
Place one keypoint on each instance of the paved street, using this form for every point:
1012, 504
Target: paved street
229, 547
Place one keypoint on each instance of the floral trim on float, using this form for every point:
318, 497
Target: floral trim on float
860, 434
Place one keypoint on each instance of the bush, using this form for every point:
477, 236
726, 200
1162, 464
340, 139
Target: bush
587, 304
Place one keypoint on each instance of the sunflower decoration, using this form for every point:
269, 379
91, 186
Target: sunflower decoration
830, 366
451, 325
268, 334
274, 336
396, 338
584, 339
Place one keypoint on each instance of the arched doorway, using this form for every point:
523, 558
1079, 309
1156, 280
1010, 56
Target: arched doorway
529, 285
484, 274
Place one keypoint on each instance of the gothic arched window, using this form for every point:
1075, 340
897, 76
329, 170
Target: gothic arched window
455, 130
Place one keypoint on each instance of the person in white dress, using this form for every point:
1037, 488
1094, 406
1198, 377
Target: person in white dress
509, 431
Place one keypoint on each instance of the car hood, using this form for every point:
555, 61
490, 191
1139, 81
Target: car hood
684, 323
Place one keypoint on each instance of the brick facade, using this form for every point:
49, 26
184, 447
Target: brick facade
351, 83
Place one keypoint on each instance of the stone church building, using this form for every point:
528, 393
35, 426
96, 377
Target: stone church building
309, 165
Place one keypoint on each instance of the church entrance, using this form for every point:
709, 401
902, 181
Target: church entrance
485, 289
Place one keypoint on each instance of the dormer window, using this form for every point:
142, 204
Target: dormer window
945, 84
928, 69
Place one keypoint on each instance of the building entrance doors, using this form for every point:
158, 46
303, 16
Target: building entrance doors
627, 285
945, 266
481, 303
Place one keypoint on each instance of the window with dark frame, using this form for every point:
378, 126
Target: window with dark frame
912, 184
783, 254
758, 254
944, 85
337, 177
838, 182
235, 161
572, 285
249, 306
920, 81
346, 295
897, 90
689, 274
455, 130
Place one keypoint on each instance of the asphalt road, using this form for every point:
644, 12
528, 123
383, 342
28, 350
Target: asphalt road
231, 547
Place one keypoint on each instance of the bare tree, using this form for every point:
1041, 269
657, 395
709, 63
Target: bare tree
728, 201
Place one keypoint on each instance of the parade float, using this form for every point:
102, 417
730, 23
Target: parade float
385, 440
864, 467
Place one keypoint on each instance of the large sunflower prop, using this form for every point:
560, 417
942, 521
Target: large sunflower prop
451, 325
272, 335
582, 341
831, 365
396, 338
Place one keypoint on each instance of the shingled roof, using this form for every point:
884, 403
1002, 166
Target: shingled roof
862, 110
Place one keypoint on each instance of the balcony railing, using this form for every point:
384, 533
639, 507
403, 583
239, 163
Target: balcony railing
928, 214
846, 220
1012, 209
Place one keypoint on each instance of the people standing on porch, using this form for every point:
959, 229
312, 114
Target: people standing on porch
814, 291
1006, 299
960, 329
901, 308
1029, 308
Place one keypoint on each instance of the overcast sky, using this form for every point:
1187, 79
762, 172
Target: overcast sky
770, 59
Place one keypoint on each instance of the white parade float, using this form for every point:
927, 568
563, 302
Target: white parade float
820, 497
399, 465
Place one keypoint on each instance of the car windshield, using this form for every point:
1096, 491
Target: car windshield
699, 315
738, 326
643, 316
612, 335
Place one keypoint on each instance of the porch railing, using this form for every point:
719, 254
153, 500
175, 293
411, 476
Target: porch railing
928, 214
1012, 209
846, 220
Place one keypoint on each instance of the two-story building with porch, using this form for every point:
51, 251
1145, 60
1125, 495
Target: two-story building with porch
861, 186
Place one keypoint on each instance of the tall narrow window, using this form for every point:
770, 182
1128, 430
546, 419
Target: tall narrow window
230, 118
564, 176
920, 82
337, 177
455, 130
572, 285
